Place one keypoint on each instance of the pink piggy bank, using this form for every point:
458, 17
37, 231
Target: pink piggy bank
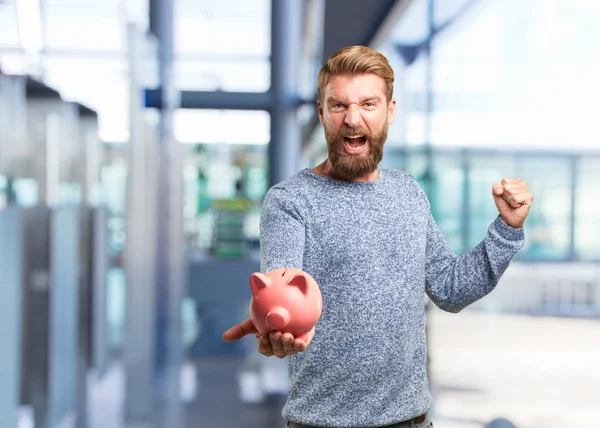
286, 300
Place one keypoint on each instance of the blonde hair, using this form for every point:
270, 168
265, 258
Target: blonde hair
356, 60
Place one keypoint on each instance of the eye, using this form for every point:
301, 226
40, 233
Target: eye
337, 106
369, 104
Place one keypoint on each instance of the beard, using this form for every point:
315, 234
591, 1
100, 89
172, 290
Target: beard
351, 167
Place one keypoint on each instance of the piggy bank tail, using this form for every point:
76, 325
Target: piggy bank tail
278, 318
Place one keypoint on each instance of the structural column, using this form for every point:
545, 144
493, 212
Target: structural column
286, 52
138, 346
170, 261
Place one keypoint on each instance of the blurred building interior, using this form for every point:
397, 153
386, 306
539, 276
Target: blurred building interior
139, 137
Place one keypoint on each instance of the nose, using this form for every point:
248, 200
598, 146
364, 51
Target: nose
278, 318
353, 118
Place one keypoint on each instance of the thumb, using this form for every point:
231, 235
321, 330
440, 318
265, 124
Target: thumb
238, 331
497, 192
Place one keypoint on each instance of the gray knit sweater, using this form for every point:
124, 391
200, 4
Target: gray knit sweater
374, 249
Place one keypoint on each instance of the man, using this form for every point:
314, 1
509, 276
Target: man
368, 238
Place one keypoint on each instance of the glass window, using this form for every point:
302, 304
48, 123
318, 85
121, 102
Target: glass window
415, 117
444, 188
394, 158
9, 36
445, 11
484, 171
26, 191
447, 197
93, 26
223, 45
234, 74
413, 26
71, 76
548, 224
3, 192
224, 188
222, 126
415, 163
587, 209
496, 88
227, 27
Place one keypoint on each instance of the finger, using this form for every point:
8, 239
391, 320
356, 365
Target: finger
265, 348
523, 198
276, 344
288, 343
238, 331
497, 189
517, 200
514, 189
301, 345
512, 201
510, 181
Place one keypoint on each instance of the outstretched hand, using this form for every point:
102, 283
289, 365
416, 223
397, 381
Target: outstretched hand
275, 343
513, 200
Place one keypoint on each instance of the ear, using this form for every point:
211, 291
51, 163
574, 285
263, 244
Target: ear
258, 281
320, 110
391, 111
300, 281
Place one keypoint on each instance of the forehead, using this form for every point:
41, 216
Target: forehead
358, 86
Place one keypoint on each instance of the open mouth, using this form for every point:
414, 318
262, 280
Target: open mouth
355, 144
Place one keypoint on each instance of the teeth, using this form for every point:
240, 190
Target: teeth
355, 136
353, 148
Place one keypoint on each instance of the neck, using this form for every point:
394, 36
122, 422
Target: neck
326, 169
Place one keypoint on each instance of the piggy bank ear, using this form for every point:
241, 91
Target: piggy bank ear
258, 281
300, 281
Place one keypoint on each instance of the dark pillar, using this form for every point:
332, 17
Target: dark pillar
286, 42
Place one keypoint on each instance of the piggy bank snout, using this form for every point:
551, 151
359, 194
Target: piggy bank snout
278, 318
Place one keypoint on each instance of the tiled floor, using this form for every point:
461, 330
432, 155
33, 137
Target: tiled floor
535, 372
218, 403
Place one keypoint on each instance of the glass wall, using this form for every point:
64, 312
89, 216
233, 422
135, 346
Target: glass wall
477, 103
587, 209
549, 225
215, 40
534, 86
488, 89
562, 223
225, 176
224, 188
483, 171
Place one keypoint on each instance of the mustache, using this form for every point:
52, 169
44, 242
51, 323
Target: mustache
347, 132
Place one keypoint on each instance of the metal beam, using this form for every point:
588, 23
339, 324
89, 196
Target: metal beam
353, 22
214, 100
36, 89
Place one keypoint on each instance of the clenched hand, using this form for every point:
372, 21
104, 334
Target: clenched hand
513, 199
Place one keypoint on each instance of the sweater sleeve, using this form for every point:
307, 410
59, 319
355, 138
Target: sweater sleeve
454, 282
282, 232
